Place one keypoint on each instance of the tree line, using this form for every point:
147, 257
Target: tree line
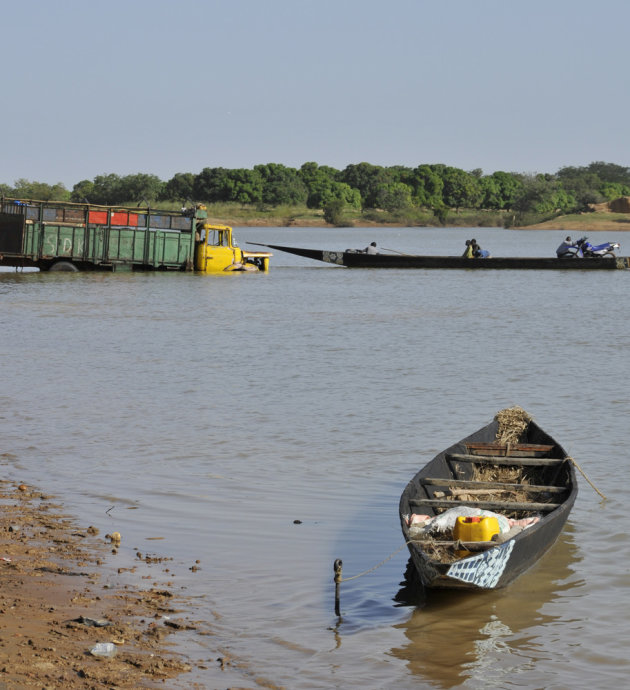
361, 186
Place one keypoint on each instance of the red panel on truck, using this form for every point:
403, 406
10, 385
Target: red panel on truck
98, 217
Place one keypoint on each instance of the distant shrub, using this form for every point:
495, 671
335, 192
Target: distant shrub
333, 212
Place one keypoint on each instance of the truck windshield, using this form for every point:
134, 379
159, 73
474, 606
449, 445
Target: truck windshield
218, 238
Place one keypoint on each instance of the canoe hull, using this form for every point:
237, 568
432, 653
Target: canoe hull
362, 260
502, 564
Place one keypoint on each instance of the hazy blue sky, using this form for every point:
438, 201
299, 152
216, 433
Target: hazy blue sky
166, 86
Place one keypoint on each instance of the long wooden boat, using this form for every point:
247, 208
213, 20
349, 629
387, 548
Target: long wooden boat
511, 469
358, 259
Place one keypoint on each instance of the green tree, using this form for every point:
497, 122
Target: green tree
582, 183
440, 211
499, 190
281, 185
395, 196
594, 183
107, 190
610, 172
333, 212
322, 187
211, 185
40, 191
179, 188
461, 189
83, 191
344, 192
244, 186
491, 190
318, 184
367, 178
400, 173
427, 186
614, 190
543, 195
140, 187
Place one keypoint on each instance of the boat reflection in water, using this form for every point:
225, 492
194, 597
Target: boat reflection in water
490, 639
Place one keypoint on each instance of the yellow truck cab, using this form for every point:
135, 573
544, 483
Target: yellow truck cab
217, 252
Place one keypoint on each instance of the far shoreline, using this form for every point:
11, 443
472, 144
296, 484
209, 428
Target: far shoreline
576, 223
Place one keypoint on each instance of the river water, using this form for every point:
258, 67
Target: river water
265, 425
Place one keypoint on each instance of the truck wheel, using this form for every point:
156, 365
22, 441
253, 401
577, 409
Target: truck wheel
64, 266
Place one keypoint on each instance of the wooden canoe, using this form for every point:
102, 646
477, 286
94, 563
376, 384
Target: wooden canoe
357, 259
530, 477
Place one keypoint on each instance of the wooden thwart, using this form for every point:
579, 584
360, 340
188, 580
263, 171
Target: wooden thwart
484, 505
494, 460
516, 450
500, 486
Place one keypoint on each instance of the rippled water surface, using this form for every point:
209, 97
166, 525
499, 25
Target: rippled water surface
202, 416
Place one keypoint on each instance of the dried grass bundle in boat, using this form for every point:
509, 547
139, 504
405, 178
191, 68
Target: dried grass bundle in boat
513, 422
501, 473
489, 473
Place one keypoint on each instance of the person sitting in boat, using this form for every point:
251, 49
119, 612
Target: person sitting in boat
371, 248
478, 252
468, 252
566, 249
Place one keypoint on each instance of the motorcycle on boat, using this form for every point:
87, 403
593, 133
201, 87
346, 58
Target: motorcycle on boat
583, 249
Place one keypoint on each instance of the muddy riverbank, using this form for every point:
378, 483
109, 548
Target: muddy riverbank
58, 600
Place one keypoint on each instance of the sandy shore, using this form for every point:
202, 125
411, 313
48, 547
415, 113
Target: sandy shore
580, 227
54, 607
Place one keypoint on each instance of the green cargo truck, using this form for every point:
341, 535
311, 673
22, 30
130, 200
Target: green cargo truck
61, 236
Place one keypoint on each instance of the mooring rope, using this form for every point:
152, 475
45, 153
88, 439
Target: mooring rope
378, 565
583, 473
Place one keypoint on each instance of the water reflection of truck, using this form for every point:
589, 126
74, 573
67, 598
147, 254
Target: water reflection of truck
61, 236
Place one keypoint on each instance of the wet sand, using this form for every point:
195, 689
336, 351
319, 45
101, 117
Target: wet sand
54, 607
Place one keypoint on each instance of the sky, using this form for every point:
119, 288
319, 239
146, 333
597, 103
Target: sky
168, 86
